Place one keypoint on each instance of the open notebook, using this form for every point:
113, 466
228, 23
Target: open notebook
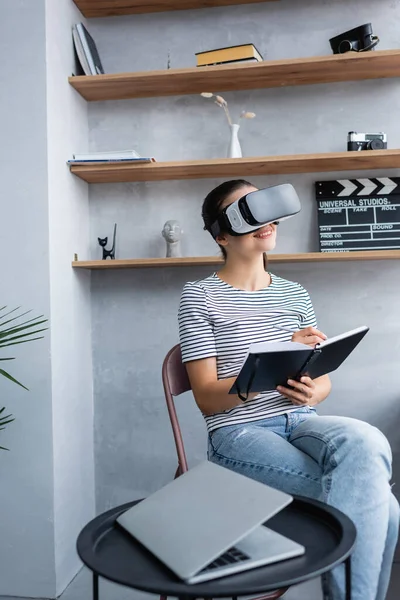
269, 364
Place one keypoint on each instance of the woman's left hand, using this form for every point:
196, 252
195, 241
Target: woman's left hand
304, 392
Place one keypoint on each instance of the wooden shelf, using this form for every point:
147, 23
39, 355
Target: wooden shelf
115, 172
267, 74
112, 8
187, 261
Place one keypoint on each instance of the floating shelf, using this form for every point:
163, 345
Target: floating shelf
187, 261
352, 66
115, 172
111, 8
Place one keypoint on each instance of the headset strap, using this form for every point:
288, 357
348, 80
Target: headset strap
221, 224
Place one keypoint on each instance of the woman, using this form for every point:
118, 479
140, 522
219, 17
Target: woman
277, 437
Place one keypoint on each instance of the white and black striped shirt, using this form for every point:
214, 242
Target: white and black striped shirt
216, 319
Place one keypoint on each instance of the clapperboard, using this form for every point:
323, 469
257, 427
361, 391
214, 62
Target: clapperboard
358, 214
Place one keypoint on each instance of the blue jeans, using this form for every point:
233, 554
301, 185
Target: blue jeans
341, 461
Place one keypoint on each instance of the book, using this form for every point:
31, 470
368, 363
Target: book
269, 364
80, 53
88, 45
230, 62
112, 154
229, 54
111, 160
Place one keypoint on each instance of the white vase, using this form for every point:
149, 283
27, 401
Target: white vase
234, 149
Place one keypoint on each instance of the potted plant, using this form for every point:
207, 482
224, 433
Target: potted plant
11, 334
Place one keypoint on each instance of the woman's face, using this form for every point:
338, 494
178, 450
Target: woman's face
253, 243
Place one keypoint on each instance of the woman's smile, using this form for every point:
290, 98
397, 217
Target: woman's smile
264, 232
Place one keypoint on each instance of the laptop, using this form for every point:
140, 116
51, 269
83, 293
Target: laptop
207, 523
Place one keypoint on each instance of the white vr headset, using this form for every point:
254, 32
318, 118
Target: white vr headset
256, 209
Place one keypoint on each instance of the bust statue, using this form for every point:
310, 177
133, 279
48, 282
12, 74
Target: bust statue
172, 233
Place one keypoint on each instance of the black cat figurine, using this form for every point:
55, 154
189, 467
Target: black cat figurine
103, 243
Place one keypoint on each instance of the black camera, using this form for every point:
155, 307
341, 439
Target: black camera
359, 39
366, 141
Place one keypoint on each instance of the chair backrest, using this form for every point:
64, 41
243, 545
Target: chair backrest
175, 382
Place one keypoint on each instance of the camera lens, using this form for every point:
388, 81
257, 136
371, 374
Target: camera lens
376, 144
345, 46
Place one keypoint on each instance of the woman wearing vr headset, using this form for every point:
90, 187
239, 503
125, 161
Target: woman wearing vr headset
277, 437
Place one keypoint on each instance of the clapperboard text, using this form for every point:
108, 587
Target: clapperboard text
359, 214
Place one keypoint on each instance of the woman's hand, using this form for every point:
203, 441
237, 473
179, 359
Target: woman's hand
309, 336
306, 392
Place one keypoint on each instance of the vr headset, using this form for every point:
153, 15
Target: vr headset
256, 209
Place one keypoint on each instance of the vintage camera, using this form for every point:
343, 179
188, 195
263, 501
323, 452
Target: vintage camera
366, 141
359, 39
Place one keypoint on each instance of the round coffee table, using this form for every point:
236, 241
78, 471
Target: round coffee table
326, 533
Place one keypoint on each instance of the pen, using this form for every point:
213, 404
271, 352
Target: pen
284, 328
288, 330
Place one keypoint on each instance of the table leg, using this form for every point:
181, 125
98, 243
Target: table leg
95, 586
347, 566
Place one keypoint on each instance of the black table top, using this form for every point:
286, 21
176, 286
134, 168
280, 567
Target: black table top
327, 534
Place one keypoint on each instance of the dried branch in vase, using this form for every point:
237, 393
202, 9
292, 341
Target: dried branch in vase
222, 103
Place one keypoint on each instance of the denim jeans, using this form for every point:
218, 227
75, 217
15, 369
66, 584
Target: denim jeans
341, 461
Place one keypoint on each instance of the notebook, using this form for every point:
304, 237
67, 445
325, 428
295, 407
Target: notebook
269, 364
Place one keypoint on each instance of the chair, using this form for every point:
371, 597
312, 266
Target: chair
176, 382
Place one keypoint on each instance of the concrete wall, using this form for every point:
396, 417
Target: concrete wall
47, 491
26, 491
72, 390
134, 312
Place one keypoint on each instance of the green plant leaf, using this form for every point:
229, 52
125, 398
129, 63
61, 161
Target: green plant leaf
11, 378
21, 327
9, 312
13, 331
4, 345
30, 322
5, 420
7, 340
2, 323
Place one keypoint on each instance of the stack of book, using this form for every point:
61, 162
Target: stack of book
106, 157
233, 54
86, 51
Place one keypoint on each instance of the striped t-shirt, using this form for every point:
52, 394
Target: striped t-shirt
216, 319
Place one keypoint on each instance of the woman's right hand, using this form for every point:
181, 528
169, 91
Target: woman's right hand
309, 335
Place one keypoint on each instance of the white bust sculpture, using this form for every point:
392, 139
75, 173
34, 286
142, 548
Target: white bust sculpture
172, 233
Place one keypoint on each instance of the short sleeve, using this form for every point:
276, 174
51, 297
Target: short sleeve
309, 319
196, 331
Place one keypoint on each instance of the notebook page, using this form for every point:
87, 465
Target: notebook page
342, 336
262, 347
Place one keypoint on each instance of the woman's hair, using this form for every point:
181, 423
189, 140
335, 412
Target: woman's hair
211, 208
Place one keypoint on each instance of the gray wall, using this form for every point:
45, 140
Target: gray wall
47, 478
26, 491
72, 389
134, 312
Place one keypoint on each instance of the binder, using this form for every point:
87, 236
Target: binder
269, 364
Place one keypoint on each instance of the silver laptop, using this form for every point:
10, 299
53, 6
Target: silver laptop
208, 524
